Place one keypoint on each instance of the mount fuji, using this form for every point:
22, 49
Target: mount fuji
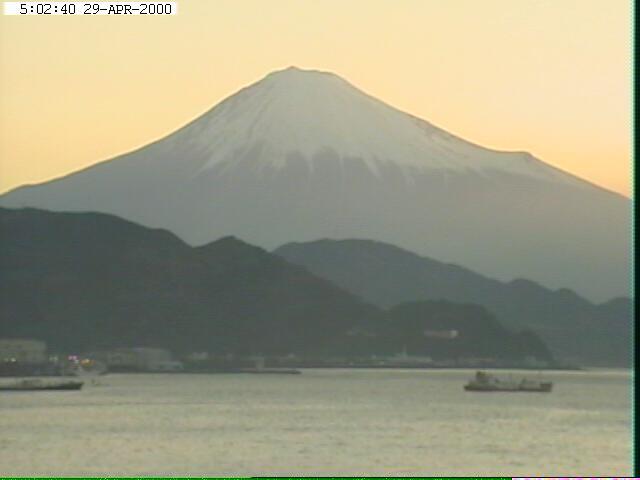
303, 155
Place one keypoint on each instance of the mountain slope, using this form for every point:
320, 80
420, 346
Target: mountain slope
303, 155
385, 275
91, 280
84, 281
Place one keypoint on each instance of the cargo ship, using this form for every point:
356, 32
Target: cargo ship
485, 382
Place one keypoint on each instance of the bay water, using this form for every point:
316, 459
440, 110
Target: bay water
322, 422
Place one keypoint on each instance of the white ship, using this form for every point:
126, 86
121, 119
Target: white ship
485, 382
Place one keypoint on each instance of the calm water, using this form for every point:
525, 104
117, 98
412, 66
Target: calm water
321, 422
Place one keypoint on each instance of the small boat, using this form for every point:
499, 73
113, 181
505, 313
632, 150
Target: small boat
31, 385
276, 371
484, 382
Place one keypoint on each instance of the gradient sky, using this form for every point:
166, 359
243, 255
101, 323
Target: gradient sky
549, 77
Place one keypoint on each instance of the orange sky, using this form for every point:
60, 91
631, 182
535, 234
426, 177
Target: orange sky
549, 77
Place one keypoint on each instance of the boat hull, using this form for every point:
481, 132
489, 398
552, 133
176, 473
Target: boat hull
38, 388
544, 388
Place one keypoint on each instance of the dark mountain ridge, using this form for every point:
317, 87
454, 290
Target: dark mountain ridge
83, 281
385, 275
88, 280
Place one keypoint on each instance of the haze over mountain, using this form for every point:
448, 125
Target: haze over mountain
302, 155
575, 329
84, 280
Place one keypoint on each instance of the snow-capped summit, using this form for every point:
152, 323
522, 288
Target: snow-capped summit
303, 154
301, 114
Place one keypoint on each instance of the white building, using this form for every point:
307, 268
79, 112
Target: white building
22, 350
151, 358
441, 334
198, 357
139, 358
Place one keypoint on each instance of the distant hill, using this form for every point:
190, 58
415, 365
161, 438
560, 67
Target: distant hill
444, 330
84, 280
384, 275
89, 280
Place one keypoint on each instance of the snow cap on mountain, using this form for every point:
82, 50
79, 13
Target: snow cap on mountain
307, 114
